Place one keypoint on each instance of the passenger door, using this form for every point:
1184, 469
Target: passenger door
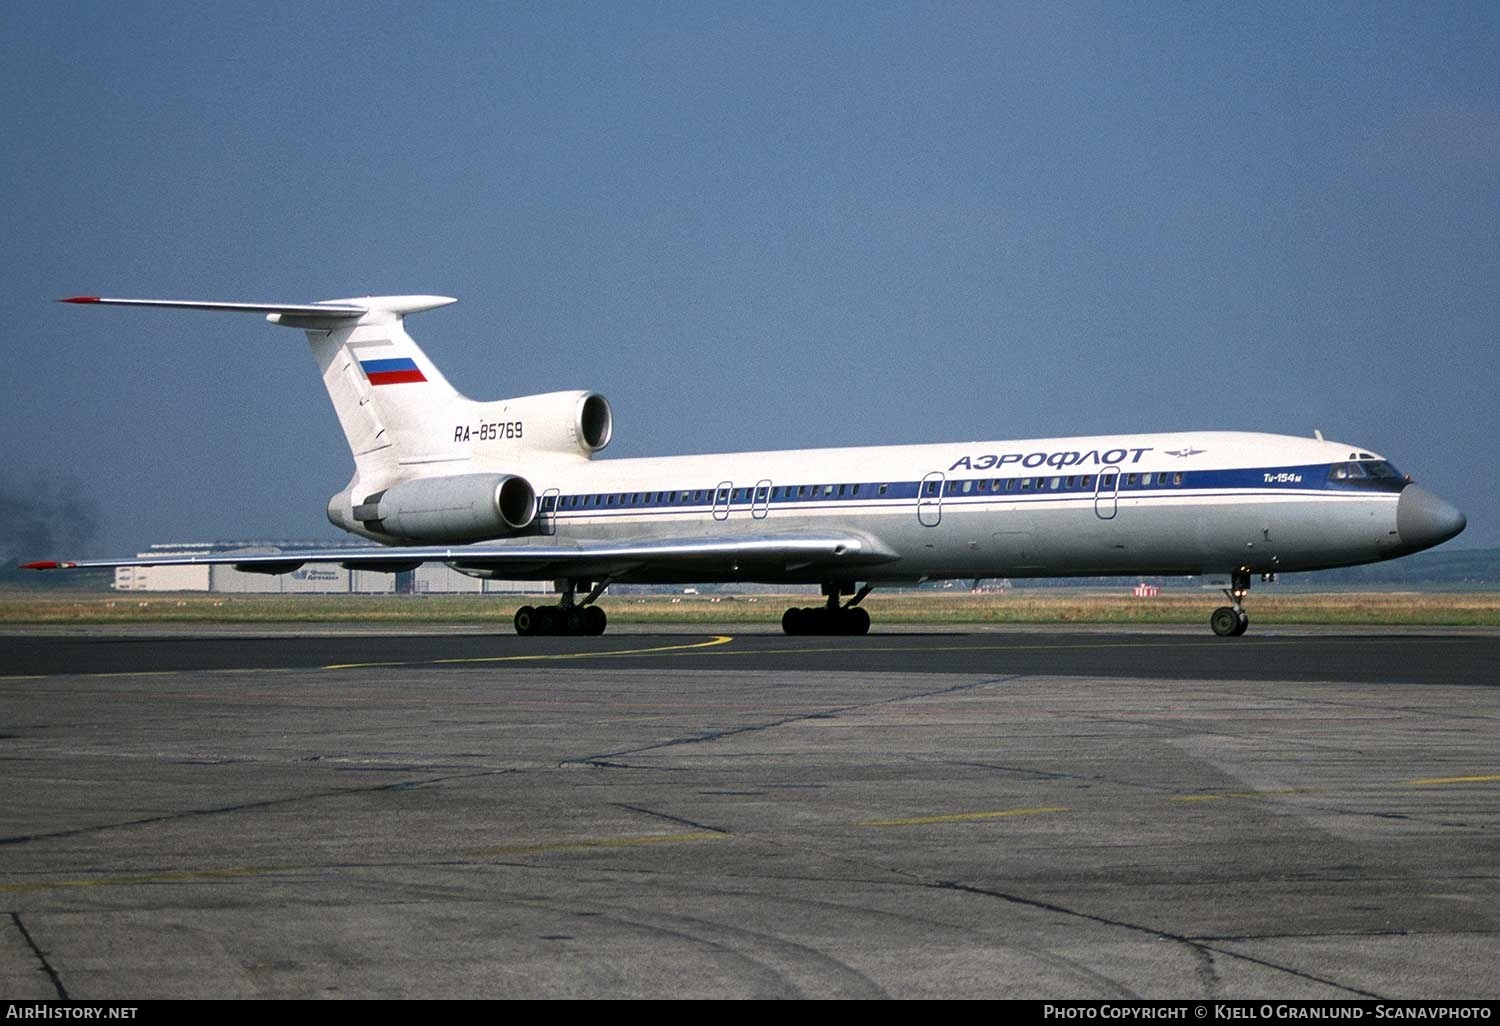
760, 503
1107, 493
930, 499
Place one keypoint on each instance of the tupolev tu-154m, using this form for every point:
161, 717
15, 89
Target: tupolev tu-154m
510, 489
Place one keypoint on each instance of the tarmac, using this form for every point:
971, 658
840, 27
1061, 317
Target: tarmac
362, 811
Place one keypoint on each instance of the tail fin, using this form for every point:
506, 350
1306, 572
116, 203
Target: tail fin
388, 395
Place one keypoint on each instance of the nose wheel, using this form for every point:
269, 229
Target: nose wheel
1229, 622
1232, 621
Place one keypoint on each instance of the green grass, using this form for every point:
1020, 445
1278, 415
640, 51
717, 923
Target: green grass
1020, 607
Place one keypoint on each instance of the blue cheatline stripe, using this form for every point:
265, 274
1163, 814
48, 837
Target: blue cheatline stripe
1249, 482
742, 510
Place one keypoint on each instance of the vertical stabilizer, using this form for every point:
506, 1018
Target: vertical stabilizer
392, 402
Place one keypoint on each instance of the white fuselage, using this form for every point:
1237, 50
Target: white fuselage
1182, 503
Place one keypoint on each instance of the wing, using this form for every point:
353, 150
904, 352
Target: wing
766, 558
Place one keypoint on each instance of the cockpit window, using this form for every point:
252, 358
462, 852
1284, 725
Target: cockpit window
1368, 473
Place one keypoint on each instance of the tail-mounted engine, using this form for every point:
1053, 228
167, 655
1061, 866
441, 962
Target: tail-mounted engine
571, 423
459, 509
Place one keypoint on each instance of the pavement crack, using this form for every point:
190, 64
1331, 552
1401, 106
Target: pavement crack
41, 956
1207, 971
1247, 938
819, 714
1198, 947
670, 818
219, 810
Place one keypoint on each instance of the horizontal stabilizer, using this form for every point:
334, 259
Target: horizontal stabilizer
329, 310
337, 310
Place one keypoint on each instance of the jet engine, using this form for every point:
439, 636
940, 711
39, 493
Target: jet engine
562, 422
458, 509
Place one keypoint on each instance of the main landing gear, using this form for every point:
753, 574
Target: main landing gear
1232, 621
831, 618
567, 617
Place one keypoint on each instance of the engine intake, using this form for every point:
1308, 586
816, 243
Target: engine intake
596, 422
457, 509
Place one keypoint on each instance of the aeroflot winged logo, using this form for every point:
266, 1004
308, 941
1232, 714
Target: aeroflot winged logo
1184, 453
392, 372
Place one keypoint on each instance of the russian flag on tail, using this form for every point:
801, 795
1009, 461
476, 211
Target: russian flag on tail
392, 372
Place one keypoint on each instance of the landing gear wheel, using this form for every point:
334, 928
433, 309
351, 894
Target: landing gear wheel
823, 620
1228, 623
574, 621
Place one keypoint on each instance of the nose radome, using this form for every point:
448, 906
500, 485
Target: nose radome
1424, 520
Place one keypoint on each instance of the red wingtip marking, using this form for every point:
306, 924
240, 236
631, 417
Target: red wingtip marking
47, 565
80, 299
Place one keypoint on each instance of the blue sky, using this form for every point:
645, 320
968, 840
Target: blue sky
750, 226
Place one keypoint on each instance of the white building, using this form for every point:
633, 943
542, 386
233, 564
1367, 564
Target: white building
310, 579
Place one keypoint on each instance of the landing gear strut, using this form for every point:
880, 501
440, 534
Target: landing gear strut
567, 617
831, 618
1232, 621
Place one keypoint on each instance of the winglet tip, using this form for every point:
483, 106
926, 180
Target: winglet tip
47, 564
80, 299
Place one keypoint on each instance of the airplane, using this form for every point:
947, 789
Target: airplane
510, 489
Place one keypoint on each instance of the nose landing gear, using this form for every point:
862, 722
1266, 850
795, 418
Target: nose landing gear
1232, 621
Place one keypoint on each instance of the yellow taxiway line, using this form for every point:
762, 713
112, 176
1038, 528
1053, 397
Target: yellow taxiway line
717, 639
961, 817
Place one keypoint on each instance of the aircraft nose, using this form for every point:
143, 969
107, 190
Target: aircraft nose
1424, 520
